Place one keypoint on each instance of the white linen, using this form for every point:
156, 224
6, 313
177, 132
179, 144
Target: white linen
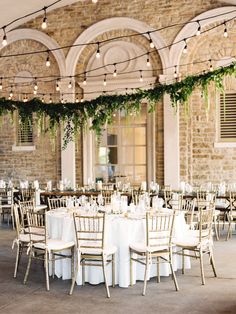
121, 232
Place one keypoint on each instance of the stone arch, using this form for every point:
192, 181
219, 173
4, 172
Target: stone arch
191, 28
25, 33
112, 24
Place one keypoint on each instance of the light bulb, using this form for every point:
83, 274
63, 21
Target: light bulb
11, 94
77, 100
94, 1
175, 74
82, 99
225, 33
185, 49
48, 61
198, 31
105, 80
50, 100
44, 24
57, 87
98, 52
115, 73
35, 92
70, 85
35, 86
148, 61
42, 99
4, 40
141, 77
1, 84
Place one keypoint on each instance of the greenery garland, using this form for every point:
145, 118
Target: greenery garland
100, 110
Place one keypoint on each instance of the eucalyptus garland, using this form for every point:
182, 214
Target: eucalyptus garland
75, 116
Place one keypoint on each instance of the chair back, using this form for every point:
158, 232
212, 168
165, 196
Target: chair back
27, 194
89, 231
6, 197
54, 203
205, 224
106, 194
204, 199
23, 208
36, 222
188, 206
19, 224
159, 229
167, 197
175, 202
232, 206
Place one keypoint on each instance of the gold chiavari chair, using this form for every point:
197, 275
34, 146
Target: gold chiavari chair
106, 194
22, 239
91, 248
175, 202
158, 246
188, 206
6, 205
167, 196
27, 194
199, 241
59, 202
231, 214
45, 249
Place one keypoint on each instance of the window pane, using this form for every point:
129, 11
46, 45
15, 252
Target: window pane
140, 136
140, 174
140, 155
127, 155
141, 117
127, 136
101, 156
112, 155
112, 136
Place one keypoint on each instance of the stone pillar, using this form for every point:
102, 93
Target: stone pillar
68, 169
171, 141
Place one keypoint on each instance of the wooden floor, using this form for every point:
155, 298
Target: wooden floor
217, 296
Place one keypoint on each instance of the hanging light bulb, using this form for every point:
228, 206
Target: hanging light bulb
115, 71
62, 100
77, 99
50, 99
11, 92
150, 41
44, 23
105, 80
148, 60
211, 66
82, 99
48, 63
98, 51
1, 83
24, 99
141, 76
225, 31
57, 86
35, 85
42, 98
199, 29
175, 74
4, 39
85, 79
70, 85
185, 47
35, 92
94, 1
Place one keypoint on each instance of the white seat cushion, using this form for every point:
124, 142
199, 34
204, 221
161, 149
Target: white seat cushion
24, 237
142, 248
33, 230
54, 245
108, 250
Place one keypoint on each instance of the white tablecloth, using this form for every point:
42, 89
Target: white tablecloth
120, 232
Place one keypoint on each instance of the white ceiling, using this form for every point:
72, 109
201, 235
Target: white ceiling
13, 9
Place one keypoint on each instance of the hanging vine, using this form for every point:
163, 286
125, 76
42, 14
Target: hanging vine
75, 116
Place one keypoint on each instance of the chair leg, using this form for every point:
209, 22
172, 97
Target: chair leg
83, 273
158, 270
145, 275
131, 268
105, 277
183, 262
229, 231
53, 265
28, 267
17, 260
212, 261
75, 273
46, 269
113, 271
216, 230
201, 266
173, 275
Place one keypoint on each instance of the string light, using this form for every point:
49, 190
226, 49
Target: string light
50, 99
70, 85
141, 76
85, 79
44, 23
211, 67
35, 92
185, 47
199, 29
57, 86
1, 83
25, 99
48, 63
105, 80
77, 99
11, 92
225, 31
148, 60
115, 70
42, 98
175, 74
150, 40
35, 85
98, 51
62, 100
82, 99
4, 39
